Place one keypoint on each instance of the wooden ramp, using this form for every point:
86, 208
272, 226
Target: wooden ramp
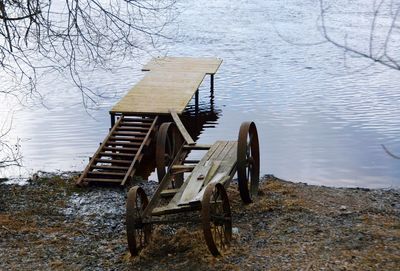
118, 157
170, 84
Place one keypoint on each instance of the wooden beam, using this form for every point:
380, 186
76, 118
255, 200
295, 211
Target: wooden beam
195, 182
197, 147
206, 168
139, 154
163, 184
176, 169
169, 192
182, 128
93, 159
220, 177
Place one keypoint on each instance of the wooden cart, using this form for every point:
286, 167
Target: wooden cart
203, 190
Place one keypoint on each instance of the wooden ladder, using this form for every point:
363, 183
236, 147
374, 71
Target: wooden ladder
118, 157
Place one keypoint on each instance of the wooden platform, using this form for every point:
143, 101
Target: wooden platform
169, 85
207, 65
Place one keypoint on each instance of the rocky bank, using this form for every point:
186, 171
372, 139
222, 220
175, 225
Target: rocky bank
49, 224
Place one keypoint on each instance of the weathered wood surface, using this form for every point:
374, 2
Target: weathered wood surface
139, 153
189, 140
216, 166
196, 181
207, 65
170, 84
218, 161
93, 159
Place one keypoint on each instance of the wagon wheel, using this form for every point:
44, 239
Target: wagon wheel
248, 161
216, 218
169, 140
138, 234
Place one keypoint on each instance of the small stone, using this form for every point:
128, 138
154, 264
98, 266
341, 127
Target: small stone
235, 230
343, 208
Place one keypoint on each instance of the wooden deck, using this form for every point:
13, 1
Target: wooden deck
207, 65
169, 85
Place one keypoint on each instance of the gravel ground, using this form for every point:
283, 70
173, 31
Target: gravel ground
49, 224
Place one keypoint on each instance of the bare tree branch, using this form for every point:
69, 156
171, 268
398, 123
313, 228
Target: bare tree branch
68, 37
9, 153
389, 152
383, 56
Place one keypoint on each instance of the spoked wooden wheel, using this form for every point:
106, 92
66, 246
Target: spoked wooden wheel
138, 233
248, 161
216, 218
169, 140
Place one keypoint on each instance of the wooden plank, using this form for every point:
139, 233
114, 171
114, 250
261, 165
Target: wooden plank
126, 139
120, 149
120, 168
176, 169
114, 143
157, 92
229, 150
174, 201
227, 158
220, 177
171, 83
93, 159
205, 64
164, 210
125, 133
189, 140
162, 185
195, 182
135, 124
129, 119
129, 128
110, 161
194, 187
139, 153
208, 169
116, 154
169, 192
191, 161
197, 147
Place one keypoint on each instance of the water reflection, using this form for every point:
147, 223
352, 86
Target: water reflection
321, 119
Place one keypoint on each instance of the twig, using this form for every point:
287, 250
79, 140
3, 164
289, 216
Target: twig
389, 153
7, 229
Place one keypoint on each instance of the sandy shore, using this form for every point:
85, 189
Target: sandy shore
50, 224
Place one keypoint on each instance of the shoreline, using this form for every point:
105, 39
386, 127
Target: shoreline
67, 174
49, 224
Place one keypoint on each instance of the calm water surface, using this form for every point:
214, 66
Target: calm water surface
321, 119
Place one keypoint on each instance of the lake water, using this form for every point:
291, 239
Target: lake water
321, 115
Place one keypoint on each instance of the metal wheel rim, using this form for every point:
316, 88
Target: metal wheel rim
248, 161
216, 218
138, 235
166, 148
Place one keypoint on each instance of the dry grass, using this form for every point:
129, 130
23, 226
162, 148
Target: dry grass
289, 227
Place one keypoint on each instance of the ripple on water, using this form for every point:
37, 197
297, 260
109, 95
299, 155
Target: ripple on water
320, 119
